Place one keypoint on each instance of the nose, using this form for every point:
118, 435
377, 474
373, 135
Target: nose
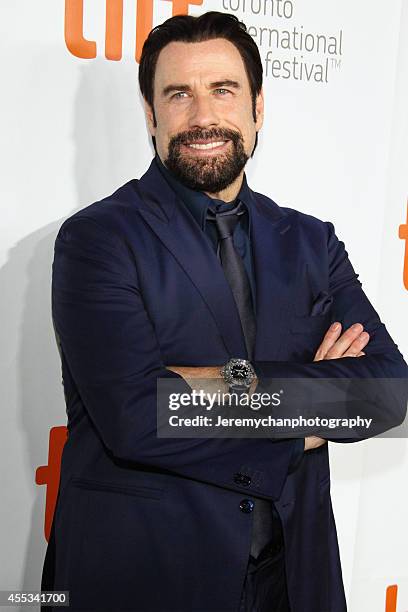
202, 112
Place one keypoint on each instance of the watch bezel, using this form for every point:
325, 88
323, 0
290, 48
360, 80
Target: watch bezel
235, 381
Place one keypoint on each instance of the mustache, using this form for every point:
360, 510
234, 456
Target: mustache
206, 134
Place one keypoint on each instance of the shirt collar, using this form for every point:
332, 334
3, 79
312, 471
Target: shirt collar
197, 201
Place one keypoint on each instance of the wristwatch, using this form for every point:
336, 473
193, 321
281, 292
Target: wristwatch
238, 374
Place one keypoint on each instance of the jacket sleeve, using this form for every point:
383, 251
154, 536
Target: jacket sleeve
376, 382
109, 345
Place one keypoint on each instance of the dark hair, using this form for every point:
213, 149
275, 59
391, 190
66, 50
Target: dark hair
186, 28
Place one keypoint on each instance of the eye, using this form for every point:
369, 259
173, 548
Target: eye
222, 91
179, 95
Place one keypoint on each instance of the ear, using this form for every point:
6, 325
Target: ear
149, 112
259, 110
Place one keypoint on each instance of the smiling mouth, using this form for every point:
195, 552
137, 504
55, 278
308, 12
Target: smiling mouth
206, 145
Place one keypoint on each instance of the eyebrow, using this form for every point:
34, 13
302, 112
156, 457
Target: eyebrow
183, 87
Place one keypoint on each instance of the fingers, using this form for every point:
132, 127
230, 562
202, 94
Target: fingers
314, 442
349, 344
329, 339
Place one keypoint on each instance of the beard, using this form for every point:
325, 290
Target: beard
214, 173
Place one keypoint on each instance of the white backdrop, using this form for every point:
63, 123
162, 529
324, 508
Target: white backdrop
336, 147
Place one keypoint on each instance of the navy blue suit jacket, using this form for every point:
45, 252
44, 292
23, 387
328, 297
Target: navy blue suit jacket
147, 523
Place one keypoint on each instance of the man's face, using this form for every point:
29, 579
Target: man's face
203, 107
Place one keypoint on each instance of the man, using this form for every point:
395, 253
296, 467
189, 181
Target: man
172, 276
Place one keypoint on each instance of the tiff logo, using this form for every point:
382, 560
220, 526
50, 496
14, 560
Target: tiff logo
79, 46
403, 234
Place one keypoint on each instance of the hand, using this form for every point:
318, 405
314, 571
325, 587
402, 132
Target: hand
334, 346
314, 442
348, 344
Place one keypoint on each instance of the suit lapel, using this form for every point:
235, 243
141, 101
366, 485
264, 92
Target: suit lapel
178, 231
275, 249
275, 258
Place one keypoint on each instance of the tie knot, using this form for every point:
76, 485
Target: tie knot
226, 221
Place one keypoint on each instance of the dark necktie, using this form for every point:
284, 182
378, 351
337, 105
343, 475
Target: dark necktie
237, 277
234, 269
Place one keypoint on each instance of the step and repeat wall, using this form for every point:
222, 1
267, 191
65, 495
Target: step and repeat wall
334, 145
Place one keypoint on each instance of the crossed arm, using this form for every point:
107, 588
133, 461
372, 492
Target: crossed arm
112, 360
334, 345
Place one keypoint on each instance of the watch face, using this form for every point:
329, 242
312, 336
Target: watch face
239, 372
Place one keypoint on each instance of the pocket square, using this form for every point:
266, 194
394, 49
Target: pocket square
321, 304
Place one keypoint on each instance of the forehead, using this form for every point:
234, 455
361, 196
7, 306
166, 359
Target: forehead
210, 60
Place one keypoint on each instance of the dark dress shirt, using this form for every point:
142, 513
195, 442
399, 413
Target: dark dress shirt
198, 202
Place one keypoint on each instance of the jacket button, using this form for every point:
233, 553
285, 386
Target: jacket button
247, 505
241, 479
